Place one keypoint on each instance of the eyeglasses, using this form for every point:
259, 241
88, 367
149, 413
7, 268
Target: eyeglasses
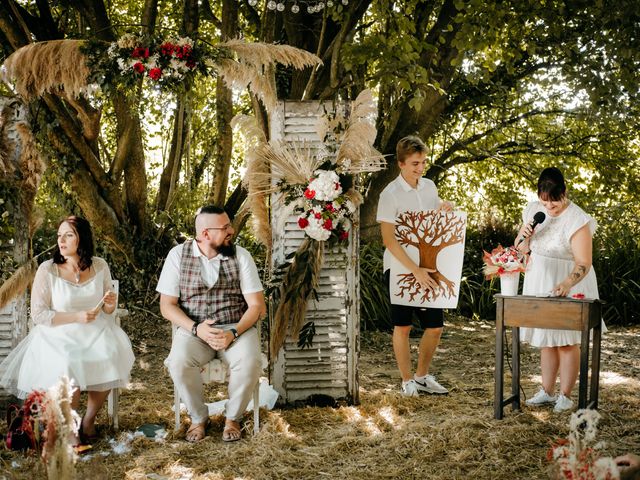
228, 226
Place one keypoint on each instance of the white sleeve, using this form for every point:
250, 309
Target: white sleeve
41, 311
102, 266
249, 276
387, 211
578, 220
169, 281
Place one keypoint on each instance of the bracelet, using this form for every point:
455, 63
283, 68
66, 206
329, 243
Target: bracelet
194, 329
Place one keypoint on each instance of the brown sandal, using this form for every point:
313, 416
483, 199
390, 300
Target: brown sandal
231, 432
196, 432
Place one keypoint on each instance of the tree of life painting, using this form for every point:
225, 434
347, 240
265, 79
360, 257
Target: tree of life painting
435, 241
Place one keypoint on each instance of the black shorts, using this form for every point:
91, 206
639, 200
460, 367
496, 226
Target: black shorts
402, 315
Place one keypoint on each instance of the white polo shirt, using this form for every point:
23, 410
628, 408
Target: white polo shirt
169, 281
399, 196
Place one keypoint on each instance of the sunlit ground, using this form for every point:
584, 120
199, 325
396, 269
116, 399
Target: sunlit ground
386, 436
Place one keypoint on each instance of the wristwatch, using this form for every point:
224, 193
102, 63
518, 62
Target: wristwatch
235, 334
194, 329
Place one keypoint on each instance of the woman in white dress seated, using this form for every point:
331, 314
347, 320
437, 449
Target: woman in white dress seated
559, 265
74, 333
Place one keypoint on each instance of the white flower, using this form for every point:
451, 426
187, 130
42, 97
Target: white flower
122, 65
326, 185
112, 51
182, 41
605, 468
584, 423
152, 61
316, 230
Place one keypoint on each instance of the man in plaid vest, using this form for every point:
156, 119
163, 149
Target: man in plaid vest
211, 291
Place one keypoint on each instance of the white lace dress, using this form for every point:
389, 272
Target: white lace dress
97, 356
551, 262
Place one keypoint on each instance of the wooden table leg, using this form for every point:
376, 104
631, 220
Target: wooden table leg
595, 365
584, 368
515, 360
499, 371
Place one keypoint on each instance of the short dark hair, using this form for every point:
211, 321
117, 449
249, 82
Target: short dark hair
85, 242
551, 185
212, 209
408, 146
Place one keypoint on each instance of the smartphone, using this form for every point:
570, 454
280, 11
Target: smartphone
100, 304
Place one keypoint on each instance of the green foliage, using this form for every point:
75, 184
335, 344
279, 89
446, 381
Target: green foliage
374, 294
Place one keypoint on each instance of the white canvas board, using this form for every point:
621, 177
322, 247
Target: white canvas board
433, 239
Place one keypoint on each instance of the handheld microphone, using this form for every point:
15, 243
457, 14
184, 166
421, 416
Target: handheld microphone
538, 218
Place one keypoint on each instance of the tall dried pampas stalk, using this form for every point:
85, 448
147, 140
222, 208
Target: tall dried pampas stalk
18, 283
254, 66
257, 178
356, 153
48, 67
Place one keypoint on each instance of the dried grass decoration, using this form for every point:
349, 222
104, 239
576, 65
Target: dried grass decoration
71, 67
318, 186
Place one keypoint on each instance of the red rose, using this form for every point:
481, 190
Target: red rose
328, 224
501, 270
318, 216
155, 73
329, 207
138, 67
303, 222
579, 296
191, 64
309, 193
140, 52
343, 235
167, 49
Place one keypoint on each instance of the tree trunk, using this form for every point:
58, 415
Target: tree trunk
224, 113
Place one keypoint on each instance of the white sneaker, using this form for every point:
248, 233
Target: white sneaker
428, 384
541, 398
410, 388
563, 403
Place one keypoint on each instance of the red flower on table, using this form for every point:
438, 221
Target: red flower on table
310, 194
328, 224
303, 222
579, 296
138, 67
155, 73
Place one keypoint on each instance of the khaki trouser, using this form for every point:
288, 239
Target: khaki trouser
188, 355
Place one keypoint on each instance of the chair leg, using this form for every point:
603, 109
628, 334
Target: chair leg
176, 406
256, 408
112, 407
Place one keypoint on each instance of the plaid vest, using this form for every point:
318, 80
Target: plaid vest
223, 302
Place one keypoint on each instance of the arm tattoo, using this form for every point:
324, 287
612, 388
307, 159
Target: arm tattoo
578, 273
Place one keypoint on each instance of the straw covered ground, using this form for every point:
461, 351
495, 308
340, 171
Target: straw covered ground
385, 437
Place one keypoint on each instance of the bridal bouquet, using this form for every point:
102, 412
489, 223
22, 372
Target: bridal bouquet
502, 261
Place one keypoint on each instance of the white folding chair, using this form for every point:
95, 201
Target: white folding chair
114, 395
217, 371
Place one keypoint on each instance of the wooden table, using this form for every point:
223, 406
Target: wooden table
556, 313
